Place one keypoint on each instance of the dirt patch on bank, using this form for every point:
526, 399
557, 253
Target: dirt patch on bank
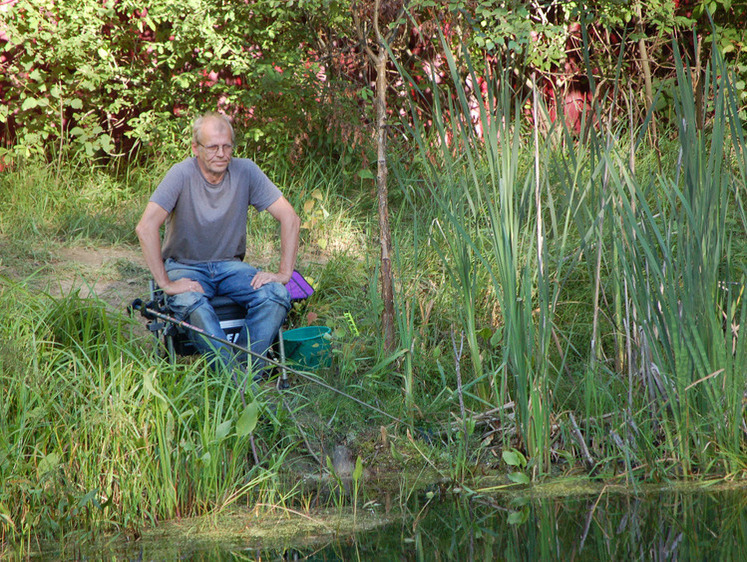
115, 274
99, 257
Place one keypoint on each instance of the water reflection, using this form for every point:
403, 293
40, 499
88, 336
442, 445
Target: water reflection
609, 526
662, 526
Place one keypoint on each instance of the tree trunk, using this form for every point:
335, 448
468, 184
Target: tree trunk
379, 58
385, 236
646, 67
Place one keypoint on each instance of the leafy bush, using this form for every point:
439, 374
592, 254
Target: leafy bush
114, 77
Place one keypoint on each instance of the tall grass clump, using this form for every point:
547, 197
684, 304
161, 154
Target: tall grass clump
618, 281
489, 230
97, 437
69, 202
685, 284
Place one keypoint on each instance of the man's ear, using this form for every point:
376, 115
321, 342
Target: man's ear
194, 148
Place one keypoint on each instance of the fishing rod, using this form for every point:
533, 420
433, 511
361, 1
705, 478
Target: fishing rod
151, 314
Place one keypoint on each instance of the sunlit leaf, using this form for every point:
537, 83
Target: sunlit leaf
48, 463
518, 478
512, 457
223, 430
149, 384
358, 471
248, 420
29, 103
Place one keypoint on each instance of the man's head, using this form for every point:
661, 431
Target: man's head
212, 144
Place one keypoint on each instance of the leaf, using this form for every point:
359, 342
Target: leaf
366, 174
497, 337
518, 517
248, 420
5, 516
105, 141
358, 471
518, 478
48, 463
485, 333
76, 103
29, 103
148, 383
90, 498
512, 457
182, 81
222, 430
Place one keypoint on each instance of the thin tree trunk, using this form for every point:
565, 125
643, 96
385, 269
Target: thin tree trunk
380, 58
646, 67
382, 191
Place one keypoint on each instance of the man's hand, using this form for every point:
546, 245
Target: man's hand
183, 285
264, 277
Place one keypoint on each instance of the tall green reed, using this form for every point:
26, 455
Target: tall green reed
491, 202
406, 298
685, 287
649, 252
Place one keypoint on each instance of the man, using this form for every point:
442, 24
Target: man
204, 201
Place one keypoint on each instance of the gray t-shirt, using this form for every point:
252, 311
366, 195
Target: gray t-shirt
207, 222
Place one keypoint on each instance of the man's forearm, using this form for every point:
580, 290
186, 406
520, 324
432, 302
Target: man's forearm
290, 226
147, 231
151, 248
289, 231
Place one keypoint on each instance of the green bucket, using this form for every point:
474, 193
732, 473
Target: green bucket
308, 347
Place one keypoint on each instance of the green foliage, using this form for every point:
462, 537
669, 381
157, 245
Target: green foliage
94, 435
578, 235
586, 274
677, 259
111, 77
52, 203
115, 78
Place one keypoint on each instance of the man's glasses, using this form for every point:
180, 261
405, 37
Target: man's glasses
212, 150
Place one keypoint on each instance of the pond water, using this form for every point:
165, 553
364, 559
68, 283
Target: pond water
663, 525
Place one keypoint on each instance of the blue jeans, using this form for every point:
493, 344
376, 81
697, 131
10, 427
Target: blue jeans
266, 307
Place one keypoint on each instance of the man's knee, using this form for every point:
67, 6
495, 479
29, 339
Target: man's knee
277, 293
184, 304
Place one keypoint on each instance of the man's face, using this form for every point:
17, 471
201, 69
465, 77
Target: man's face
213, 149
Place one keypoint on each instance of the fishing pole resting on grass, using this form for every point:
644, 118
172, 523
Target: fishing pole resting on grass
149, 313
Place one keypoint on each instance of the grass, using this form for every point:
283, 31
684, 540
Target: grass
646, 251
574, 304
96, 436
